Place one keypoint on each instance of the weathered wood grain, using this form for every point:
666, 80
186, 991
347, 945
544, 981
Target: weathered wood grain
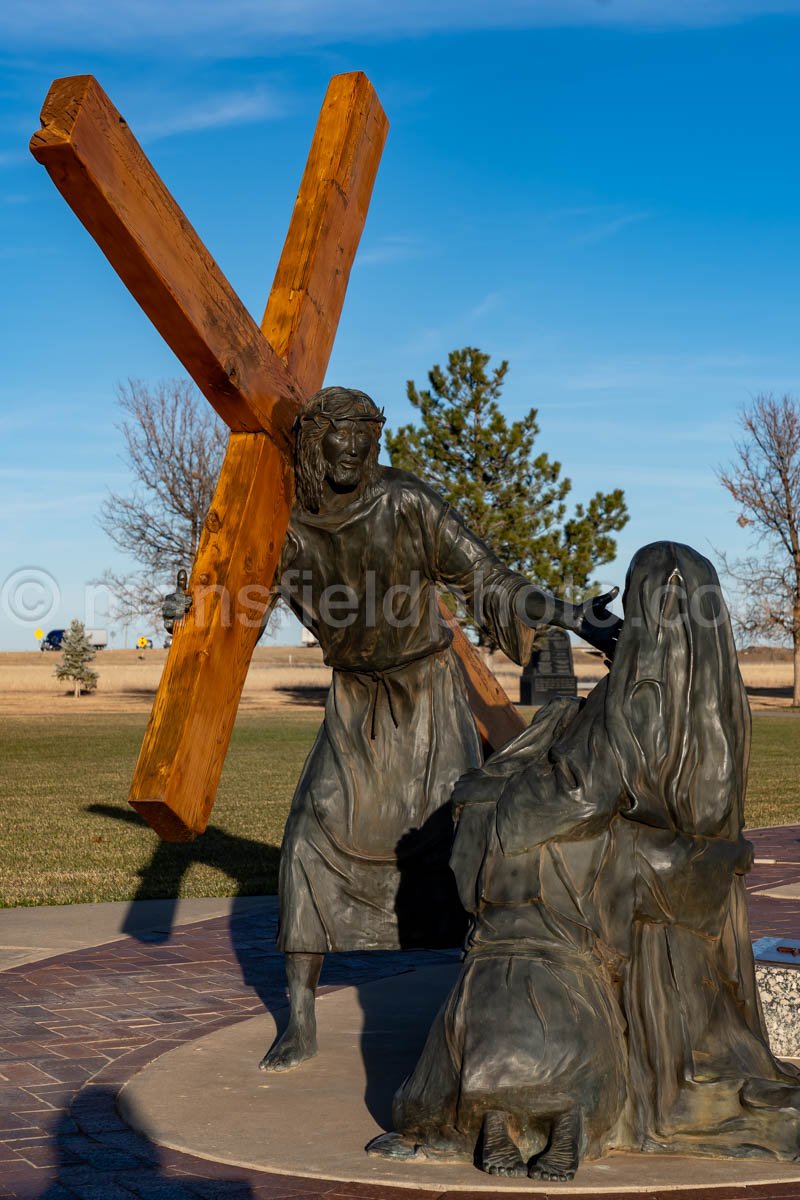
308, 292
497, 719
104, 175
195, 707
256, 380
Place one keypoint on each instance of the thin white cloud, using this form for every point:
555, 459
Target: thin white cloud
85, 502
608, 229
231, 108
58, 475
594, 222
12, 422
489, 302
460, 328
209, 27
637, 373
688, 478
390, 249
37, 250
578, 210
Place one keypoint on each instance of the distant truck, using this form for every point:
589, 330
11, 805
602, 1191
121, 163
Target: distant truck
53, 640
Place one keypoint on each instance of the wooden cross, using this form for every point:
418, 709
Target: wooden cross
256, 379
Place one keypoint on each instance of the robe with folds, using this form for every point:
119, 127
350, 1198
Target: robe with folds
601, 857
364, 861
702, 1076
532, 1027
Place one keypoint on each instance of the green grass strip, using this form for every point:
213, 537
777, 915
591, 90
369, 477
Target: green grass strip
68, 836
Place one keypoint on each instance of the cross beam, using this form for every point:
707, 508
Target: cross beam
256, 379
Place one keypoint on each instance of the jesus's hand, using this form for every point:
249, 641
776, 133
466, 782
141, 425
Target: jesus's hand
176, 605
597, 626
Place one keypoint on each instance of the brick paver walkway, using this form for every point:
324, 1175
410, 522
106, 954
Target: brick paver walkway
75, 1027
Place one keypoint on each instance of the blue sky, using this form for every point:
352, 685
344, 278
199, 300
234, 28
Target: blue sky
604, 192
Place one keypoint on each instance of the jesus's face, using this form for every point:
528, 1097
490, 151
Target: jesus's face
346, 446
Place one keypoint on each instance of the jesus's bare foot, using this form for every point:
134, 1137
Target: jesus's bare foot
559, 1162
392, 1145
294, 1046
299, 1040
499, 1153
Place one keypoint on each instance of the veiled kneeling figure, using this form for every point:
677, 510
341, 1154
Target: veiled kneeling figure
525, 1065
607, 996
702, 1078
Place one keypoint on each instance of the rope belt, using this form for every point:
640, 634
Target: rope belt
380, 680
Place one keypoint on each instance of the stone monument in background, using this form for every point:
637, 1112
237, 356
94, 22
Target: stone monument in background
550, 671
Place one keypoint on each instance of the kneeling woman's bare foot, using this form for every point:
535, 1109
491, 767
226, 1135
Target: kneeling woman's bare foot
560, 1160
393, 1145
294, 1046
499, 1153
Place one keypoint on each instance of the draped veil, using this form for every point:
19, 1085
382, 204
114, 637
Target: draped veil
702, 1076
609, 959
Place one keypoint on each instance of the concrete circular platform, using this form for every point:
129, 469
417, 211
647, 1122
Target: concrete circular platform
208, 1099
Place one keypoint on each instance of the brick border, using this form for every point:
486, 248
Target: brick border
74, 1028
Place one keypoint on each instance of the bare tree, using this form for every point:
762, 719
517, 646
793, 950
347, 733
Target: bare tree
765, 483
134, 599
174, 446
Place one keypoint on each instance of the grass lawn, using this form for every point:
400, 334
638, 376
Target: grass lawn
773, 789
67, 834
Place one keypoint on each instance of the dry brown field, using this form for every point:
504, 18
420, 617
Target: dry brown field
289, 677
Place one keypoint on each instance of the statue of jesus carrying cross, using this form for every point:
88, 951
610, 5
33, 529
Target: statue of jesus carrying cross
365, 855
397, 725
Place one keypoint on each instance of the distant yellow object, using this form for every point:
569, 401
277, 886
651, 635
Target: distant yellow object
143, 643
38, 634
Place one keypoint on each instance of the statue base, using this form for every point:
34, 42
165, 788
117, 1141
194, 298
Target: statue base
778, 979
208, 1099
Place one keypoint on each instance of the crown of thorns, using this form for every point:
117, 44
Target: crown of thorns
348, 414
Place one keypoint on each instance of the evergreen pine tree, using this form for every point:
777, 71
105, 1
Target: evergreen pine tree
78, 652
488, 469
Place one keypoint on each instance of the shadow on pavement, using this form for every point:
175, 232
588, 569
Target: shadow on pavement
99, 1155
252, 937
246, 862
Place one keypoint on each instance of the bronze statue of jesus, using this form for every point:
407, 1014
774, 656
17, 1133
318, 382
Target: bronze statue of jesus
364, 862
